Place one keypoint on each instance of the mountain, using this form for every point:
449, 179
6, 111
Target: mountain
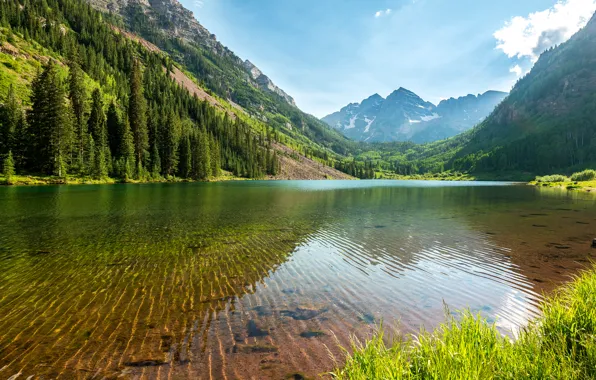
266, 84
175, 30
84, 93
404, 116
548, 122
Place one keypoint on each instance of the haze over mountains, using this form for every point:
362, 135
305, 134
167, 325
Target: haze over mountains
404, 116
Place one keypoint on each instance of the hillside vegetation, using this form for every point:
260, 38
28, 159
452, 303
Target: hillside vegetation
81, 97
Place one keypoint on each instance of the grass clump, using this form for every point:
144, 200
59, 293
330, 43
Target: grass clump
561, 344
586, 175
553, 178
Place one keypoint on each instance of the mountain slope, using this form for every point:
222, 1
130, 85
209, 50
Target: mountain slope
404, 116
548, 122
171, 27
174, 135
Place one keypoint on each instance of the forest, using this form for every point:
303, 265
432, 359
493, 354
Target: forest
112, 109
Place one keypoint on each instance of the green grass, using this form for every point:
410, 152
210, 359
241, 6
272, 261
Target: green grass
561, 344
31, 180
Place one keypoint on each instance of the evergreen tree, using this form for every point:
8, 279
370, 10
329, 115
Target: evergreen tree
10, 115
50, 123
114, 131
96, 124
185, 164
204, 167
170, 134
137, 114
8, 168
78, 98
215, 157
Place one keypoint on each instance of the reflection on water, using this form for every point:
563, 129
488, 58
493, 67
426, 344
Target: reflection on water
262, 279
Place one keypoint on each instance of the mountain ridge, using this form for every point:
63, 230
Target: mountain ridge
404, 116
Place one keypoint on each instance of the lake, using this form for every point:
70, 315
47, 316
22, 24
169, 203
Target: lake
262, 279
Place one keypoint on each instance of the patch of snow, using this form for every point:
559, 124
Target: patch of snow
368, 123
421, 106
352, 123
429, 118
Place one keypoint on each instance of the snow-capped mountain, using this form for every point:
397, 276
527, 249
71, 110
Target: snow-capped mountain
404, 116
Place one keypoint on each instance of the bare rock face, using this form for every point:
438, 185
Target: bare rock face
175, 20
264, 83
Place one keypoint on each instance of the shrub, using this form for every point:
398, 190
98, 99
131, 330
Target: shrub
586, 175
553, 178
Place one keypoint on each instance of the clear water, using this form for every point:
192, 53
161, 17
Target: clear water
266, 279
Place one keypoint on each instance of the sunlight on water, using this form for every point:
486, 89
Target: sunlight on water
265, 278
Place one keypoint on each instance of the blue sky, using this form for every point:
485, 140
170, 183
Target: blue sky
328, 53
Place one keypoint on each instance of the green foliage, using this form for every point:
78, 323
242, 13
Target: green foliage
553, 178
8, 167
149, 121
558, 345
586, 175
50, 124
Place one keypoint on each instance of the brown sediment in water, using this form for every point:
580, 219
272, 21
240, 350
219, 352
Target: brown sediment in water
214, 284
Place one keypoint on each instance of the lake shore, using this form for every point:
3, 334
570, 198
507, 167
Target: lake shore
557, 344
36, 180
587, 186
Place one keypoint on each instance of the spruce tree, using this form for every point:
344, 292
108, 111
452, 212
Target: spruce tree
185, 164
137, 114
96, 124
204, 169
114, 131
10, 115
215, 157
50, 123
169, 142
78, 98
8, 168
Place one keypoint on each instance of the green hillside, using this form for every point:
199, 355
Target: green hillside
82, 98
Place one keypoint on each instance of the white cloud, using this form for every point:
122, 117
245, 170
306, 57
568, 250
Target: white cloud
530, 36
517, 70
199, 3
380, 13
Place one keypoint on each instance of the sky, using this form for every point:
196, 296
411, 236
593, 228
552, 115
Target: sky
328, 53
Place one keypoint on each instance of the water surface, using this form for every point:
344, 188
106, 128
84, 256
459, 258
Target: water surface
265, 279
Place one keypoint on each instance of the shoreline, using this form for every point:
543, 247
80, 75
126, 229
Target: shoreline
583, 186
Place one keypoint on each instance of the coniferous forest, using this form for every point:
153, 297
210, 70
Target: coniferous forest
112, 108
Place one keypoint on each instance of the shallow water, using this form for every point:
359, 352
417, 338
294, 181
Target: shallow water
266, 279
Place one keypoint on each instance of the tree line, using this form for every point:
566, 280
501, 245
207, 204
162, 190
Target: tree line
117, 112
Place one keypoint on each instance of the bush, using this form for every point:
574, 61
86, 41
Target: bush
586, 175
553, 178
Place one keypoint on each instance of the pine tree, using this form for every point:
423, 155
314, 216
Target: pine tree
114, 131
215, 157
185, 164
78, 97
10, 115
137, 114
8, 168
204, 169
96, 124
50, 123
169, 141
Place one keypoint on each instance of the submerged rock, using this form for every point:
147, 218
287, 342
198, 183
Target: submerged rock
303, 313
254, 330
312, 334
253, 348
594, 243
145, 363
